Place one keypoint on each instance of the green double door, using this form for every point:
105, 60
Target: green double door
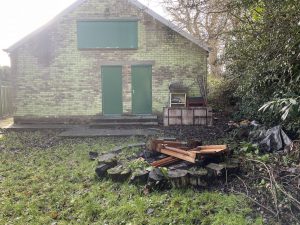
141, 83
112, 91
112, 97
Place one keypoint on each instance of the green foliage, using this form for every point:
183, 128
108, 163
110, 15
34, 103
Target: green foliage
5, 73
138, 164
220, 93
252, 151
47, 180
289, 108
285, 106
247, 147
263, 56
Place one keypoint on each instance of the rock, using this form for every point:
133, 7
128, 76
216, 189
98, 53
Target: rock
150, 211
180, 166
156, 175
137, 145
233, 161
230, 167
157, 180
93, 155
117, 150
149, 155
139, 177
119, 173
108, 159
215, 169
198, 177
178, 178
101, 170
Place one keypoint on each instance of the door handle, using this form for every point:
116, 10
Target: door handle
133, 91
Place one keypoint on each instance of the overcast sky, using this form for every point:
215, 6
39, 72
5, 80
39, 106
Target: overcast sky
18, 18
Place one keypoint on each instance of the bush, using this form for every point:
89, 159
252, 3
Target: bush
263, 56
220, 94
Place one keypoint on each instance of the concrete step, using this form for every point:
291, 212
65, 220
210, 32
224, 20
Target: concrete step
87, 132
123, 124
124, 119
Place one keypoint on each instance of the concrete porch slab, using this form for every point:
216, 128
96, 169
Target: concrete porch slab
87, 132
25, 127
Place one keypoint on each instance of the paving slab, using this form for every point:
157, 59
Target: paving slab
88, 132
25, 127
6, 122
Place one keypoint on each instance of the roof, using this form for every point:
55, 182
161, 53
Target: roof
134, 2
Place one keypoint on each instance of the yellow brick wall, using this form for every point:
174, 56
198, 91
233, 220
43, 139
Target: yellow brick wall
54, 78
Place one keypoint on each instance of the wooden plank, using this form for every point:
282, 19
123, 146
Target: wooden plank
188, 116
162, 160
178, 155
187, 153
210, 151
212, 146
156, 143
165, 162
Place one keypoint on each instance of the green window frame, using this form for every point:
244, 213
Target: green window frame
107, 34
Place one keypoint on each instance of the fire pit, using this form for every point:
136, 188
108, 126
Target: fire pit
167, 162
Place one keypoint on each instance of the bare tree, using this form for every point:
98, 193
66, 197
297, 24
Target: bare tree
208, 20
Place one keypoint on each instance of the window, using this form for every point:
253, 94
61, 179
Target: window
111, 34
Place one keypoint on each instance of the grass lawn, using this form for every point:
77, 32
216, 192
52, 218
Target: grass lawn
48, 180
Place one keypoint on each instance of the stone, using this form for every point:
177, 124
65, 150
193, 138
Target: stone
178, 178
119, 173
150, 211
198, 177
215, 169
137, 145
230, 167
101, 170
117, 150
109, 159
139, 177
156, 175
93, 155
180, 166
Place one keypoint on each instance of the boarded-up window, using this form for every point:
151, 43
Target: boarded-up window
107, 34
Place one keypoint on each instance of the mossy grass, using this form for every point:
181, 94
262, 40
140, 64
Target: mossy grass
45, 179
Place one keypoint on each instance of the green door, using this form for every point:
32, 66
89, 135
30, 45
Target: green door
112, 90
141, 76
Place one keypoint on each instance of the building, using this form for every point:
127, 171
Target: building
103, 57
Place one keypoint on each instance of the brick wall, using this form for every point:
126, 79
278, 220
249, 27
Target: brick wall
53, 78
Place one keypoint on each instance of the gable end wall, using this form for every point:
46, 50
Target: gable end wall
53, 78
